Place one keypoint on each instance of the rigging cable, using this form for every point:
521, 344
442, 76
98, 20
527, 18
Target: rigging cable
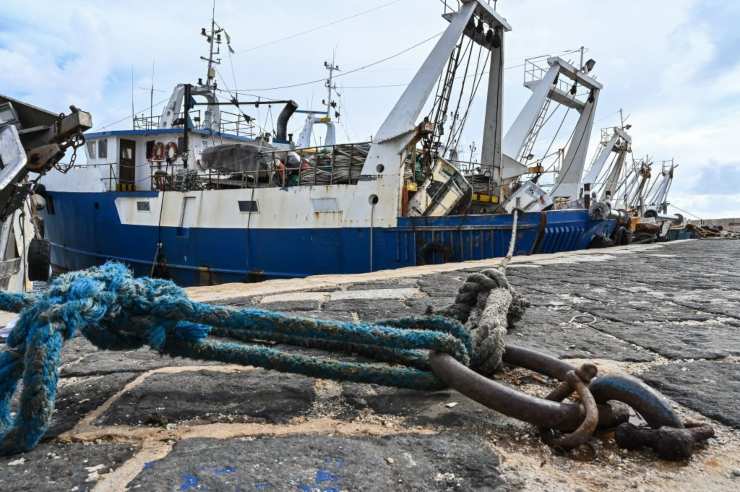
578, 147
235, 97
476, 85
344, 74
686, 212
557, 132
317, 28
128, 116
456, 113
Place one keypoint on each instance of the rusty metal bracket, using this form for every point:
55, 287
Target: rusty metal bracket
577, 380
653, 407
579, 419
668, 443
537, 411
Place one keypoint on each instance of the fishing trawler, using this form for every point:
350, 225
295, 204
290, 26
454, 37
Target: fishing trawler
201, 199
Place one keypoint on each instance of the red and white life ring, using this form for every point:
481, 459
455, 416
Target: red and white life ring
171, 151
158, 152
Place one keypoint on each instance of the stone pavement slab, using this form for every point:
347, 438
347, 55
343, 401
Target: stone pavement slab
205, 396
304, 463
77, 397
63, 466
715, 339
710, 388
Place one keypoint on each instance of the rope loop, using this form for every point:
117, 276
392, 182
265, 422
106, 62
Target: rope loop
116, 311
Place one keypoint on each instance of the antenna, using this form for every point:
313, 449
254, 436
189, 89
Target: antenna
213, 37
133, 111
331, 86
151, 99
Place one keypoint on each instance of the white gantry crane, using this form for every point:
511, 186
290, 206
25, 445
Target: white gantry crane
656, 202
630, 193
568, 86
474, 26
601, 181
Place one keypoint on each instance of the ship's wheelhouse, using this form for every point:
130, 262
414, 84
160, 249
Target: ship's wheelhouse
133, 160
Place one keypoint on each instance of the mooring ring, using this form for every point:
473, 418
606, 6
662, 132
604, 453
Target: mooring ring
587, 428
549, 414
521, 406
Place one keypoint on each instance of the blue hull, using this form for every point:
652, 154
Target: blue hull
85, 230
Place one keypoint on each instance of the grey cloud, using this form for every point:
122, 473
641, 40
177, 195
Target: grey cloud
718, 179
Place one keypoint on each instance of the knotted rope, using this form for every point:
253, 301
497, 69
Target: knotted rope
487, 305
118, 312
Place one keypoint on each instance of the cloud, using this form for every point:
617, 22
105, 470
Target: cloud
718, 179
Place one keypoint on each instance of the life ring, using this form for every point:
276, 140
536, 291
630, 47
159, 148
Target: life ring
158, 153
171, 151
280, 172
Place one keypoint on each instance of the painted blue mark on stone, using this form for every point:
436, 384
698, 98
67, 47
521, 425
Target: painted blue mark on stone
262, 485
224, 470
325, 476
148, 465
304, 488
189, 481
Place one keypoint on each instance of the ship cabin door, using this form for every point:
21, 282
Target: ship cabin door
127, 166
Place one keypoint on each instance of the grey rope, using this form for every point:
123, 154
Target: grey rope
487, 305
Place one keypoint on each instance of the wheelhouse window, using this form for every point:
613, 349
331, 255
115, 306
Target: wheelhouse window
103, 148
92, 150
249, 206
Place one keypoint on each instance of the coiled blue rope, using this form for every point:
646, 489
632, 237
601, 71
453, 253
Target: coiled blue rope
116, 311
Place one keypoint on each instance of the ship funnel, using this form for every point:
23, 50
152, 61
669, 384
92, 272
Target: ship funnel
282, 122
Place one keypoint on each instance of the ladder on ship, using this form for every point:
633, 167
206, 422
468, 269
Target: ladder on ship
534, 132
442, 101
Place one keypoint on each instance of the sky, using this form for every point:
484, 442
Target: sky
673, 66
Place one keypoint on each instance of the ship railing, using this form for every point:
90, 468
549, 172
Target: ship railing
316, 166
450, 6
535, 69
467, 167
119, 177
143, 122
478, 175
229, 123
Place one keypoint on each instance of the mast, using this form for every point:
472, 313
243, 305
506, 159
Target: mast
331, 87
214, 38
133, 111
151, 98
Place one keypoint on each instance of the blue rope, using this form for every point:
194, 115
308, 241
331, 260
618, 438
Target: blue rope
116, 311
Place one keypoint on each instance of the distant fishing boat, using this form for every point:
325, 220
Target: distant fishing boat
200, 198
